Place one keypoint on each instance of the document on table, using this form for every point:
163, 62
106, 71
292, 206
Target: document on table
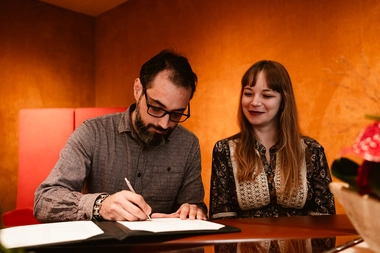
48, 233
158, 225
80, 231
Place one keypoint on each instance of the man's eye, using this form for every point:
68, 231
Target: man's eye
177, 115
156, 109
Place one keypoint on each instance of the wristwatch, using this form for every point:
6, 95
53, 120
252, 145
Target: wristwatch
98, 204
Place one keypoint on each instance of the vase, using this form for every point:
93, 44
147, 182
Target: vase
363, 212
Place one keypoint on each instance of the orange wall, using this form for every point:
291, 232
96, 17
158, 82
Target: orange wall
46, 60
330, 49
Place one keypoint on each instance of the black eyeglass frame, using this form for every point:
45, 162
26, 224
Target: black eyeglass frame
164, 112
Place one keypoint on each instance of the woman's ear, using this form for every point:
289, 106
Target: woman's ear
137, 89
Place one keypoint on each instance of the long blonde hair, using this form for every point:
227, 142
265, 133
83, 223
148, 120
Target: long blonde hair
290, 152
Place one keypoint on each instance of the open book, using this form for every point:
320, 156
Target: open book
89, 231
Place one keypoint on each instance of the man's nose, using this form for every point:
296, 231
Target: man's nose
164, 121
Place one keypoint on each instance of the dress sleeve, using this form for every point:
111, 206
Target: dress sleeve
223, 188
59, 196
322, 201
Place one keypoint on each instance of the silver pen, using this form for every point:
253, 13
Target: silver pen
132, 190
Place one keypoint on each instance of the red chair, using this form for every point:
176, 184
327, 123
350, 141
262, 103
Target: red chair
81, 114
42, 135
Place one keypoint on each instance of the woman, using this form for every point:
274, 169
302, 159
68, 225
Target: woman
269, 169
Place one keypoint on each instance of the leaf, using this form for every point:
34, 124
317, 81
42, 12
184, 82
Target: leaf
346, 170
372, 117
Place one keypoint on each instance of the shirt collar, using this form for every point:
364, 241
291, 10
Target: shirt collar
260, 147
125, 124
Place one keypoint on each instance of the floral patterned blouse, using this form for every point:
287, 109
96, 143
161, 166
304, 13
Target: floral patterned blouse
232, 199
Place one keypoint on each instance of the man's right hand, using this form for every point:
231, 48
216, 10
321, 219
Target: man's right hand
125, 205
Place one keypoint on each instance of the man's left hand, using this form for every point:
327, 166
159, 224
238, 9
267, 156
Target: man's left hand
193, 212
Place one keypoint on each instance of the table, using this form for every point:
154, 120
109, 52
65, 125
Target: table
253, 231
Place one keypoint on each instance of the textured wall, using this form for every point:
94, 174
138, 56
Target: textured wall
46, 61
331, 49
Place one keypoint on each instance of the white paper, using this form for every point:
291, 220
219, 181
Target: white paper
50, 233
40, 234
171, 225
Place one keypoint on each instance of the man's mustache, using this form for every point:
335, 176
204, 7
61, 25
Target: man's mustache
158, 128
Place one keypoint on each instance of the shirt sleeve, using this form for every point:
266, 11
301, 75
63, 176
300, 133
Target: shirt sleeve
192, 190
322, 200
222, 186
59, 197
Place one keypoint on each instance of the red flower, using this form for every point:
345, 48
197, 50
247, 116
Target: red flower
366, 146
362, 182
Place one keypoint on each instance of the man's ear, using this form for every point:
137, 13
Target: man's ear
137, 89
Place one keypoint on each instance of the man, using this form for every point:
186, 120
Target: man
144, 145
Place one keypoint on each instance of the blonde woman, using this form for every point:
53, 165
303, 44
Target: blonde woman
269, 168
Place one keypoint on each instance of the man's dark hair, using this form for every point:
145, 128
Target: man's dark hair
181, 72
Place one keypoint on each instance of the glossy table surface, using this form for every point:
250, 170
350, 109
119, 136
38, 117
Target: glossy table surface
278, 228
253, 231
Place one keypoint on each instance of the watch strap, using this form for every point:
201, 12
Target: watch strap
97, 205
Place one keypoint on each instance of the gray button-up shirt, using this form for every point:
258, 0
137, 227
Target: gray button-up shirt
102, 152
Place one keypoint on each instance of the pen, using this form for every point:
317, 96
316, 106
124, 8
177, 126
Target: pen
132, 190
345, 246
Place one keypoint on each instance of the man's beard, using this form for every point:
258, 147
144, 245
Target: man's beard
151, 139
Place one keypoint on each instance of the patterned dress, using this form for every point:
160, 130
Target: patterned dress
232, 199
315, 245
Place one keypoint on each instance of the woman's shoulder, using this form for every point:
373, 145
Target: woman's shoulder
225, 141
311, 143
234, 137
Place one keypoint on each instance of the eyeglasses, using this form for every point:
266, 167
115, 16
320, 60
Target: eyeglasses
159, 112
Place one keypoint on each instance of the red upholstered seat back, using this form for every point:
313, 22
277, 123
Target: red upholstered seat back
81, 114
42, 135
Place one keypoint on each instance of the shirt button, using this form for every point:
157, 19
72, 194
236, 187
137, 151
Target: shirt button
139, 174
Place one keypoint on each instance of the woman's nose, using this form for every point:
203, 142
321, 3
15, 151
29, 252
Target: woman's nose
256, 101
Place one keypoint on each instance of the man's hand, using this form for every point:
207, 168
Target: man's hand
125, 205
185, 211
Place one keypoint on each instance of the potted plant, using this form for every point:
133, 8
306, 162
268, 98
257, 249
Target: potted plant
359, 193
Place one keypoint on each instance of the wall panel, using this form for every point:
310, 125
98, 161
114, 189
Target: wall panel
46, 61
51, 57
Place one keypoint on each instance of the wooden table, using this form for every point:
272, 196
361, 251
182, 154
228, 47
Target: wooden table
252, 229
278, 228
